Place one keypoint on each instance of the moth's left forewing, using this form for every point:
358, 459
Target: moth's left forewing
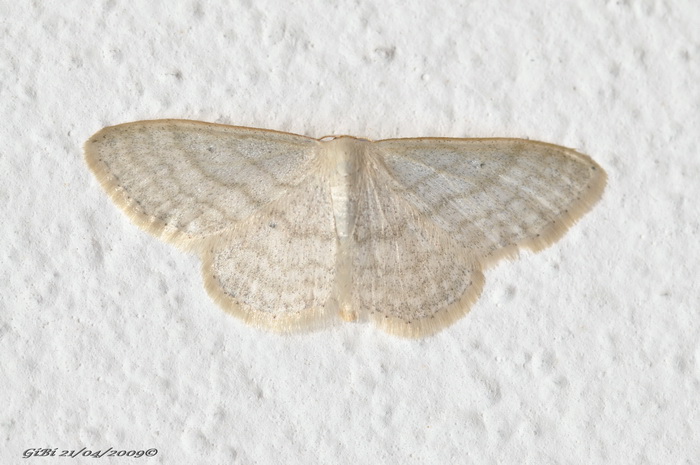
184, 181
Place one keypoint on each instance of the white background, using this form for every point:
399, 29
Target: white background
588, 352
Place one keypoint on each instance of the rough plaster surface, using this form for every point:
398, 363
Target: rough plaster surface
588, 352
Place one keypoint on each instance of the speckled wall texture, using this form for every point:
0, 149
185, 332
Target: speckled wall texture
587, 352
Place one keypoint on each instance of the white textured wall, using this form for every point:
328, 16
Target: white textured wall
588, 352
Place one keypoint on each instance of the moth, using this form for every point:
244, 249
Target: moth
295, 232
